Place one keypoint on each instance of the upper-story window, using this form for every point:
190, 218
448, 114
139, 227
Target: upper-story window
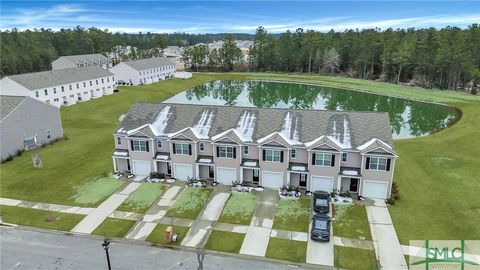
96, 82
91, 83
119, 140
293, 153
273, 155
324, 159
108, 79
63, 89
49, 133
36, 94
182, 148
70, 87
245, 149
140, 73
102, 80
344, 157
201, 146
46, 92
226, 152
378, 163
159, 143
84, 84
141, 146
78, 86
54, 90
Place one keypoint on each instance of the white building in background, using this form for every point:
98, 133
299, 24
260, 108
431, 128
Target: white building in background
61, 86
143, 71
84, 60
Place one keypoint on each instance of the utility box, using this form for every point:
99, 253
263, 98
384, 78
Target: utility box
169, 234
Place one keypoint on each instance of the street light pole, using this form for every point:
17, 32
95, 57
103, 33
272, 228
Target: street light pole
105, 245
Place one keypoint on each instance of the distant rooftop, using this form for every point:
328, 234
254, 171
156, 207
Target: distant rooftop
39, 80
149, 63
83, 57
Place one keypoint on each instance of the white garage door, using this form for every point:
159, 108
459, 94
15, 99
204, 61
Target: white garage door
373, 189
321, 183
141, 168
182, 171
226, 175
272, 180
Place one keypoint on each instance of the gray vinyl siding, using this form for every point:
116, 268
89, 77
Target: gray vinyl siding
30, 118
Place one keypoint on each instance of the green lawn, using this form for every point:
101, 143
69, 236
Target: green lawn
96, 190
351, 221
158, 234
239, 208
39, 218
225, 241
190, 202
290, 250
114, 227
292, 215
355, 258
142, 198
437, 175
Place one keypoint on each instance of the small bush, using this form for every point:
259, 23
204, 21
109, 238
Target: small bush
9, 158
65, 137
19, 152
157, 175
391, 201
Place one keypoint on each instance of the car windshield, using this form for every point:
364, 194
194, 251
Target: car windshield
321, 202
320, 224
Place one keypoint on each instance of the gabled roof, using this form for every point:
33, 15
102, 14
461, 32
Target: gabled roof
44, 79
374, 144
8, 104
149, 63
341, 130
83, 58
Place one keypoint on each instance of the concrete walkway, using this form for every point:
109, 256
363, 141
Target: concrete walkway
147, 224
320, 253
387, 247
97, 216
258, 233
47, 206
197, 236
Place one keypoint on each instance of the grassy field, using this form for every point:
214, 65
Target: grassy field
114, 227
39, 218
290, 250
239, 208
225, 241
190, 203
437, 175
158, 234
355, 258
96, 190
351, 222
142, 198
292, 215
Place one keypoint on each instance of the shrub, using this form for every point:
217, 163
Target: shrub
9, 158
19, 152
391, 201
157, 175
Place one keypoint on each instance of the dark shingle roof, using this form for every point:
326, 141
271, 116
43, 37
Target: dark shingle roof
8, 104
304, 125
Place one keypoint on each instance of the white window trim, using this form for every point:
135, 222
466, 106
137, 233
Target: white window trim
323, 153
293, 153
201, 146
246, 147
378, 163
226, 152
182, 144
159, 143
341, 157
119, 140
273, 155
133, 149
48, 131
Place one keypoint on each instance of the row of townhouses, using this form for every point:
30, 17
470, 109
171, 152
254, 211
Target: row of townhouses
311, 149
74, 79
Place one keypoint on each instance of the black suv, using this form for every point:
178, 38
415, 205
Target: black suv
320, 228
321, 202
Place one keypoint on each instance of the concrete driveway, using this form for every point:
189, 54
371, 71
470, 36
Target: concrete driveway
320, 252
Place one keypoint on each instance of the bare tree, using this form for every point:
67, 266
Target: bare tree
331, 60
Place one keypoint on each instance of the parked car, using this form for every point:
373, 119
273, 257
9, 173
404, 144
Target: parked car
321, 202
320, 228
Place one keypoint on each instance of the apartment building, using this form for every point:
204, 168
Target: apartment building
83, 60
143, 71
311, 149
61, 86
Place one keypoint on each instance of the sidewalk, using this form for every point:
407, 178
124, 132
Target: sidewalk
387, 247
97, 216
47, 206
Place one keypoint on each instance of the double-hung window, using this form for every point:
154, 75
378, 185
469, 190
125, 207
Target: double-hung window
49, 133
344, 157
119, 140
201, 146
140, 146
323, 159
181, 149
378, 164
46, 92
225, 151
293, 153
272, 155
159, 143
245, 149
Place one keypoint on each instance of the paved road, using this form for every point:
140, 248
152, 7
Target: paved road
26, 249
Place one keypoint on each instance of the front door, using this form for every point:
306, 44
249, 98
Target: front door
211, 172
353, 185
255, 176
169, 168
303, 180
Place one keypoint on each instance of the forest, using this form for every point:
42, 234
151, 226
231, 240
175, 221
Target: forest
447, 58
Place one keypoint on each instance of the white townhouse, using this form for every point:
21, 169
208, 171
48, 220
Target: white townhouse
143, 71
61, 86
82, 60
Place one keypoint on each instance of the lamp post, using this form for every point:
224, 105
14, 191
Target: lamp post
105, 245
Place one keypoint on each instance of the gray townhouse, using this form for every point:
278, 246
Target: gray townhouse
143, 71
62, 86
311, 149
82, 60
26, 123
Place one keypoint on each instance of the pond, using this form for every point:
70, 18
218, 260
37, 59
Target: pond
408, 118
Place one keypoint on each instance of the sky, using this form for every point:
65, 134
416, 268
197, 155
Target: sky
235, 16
